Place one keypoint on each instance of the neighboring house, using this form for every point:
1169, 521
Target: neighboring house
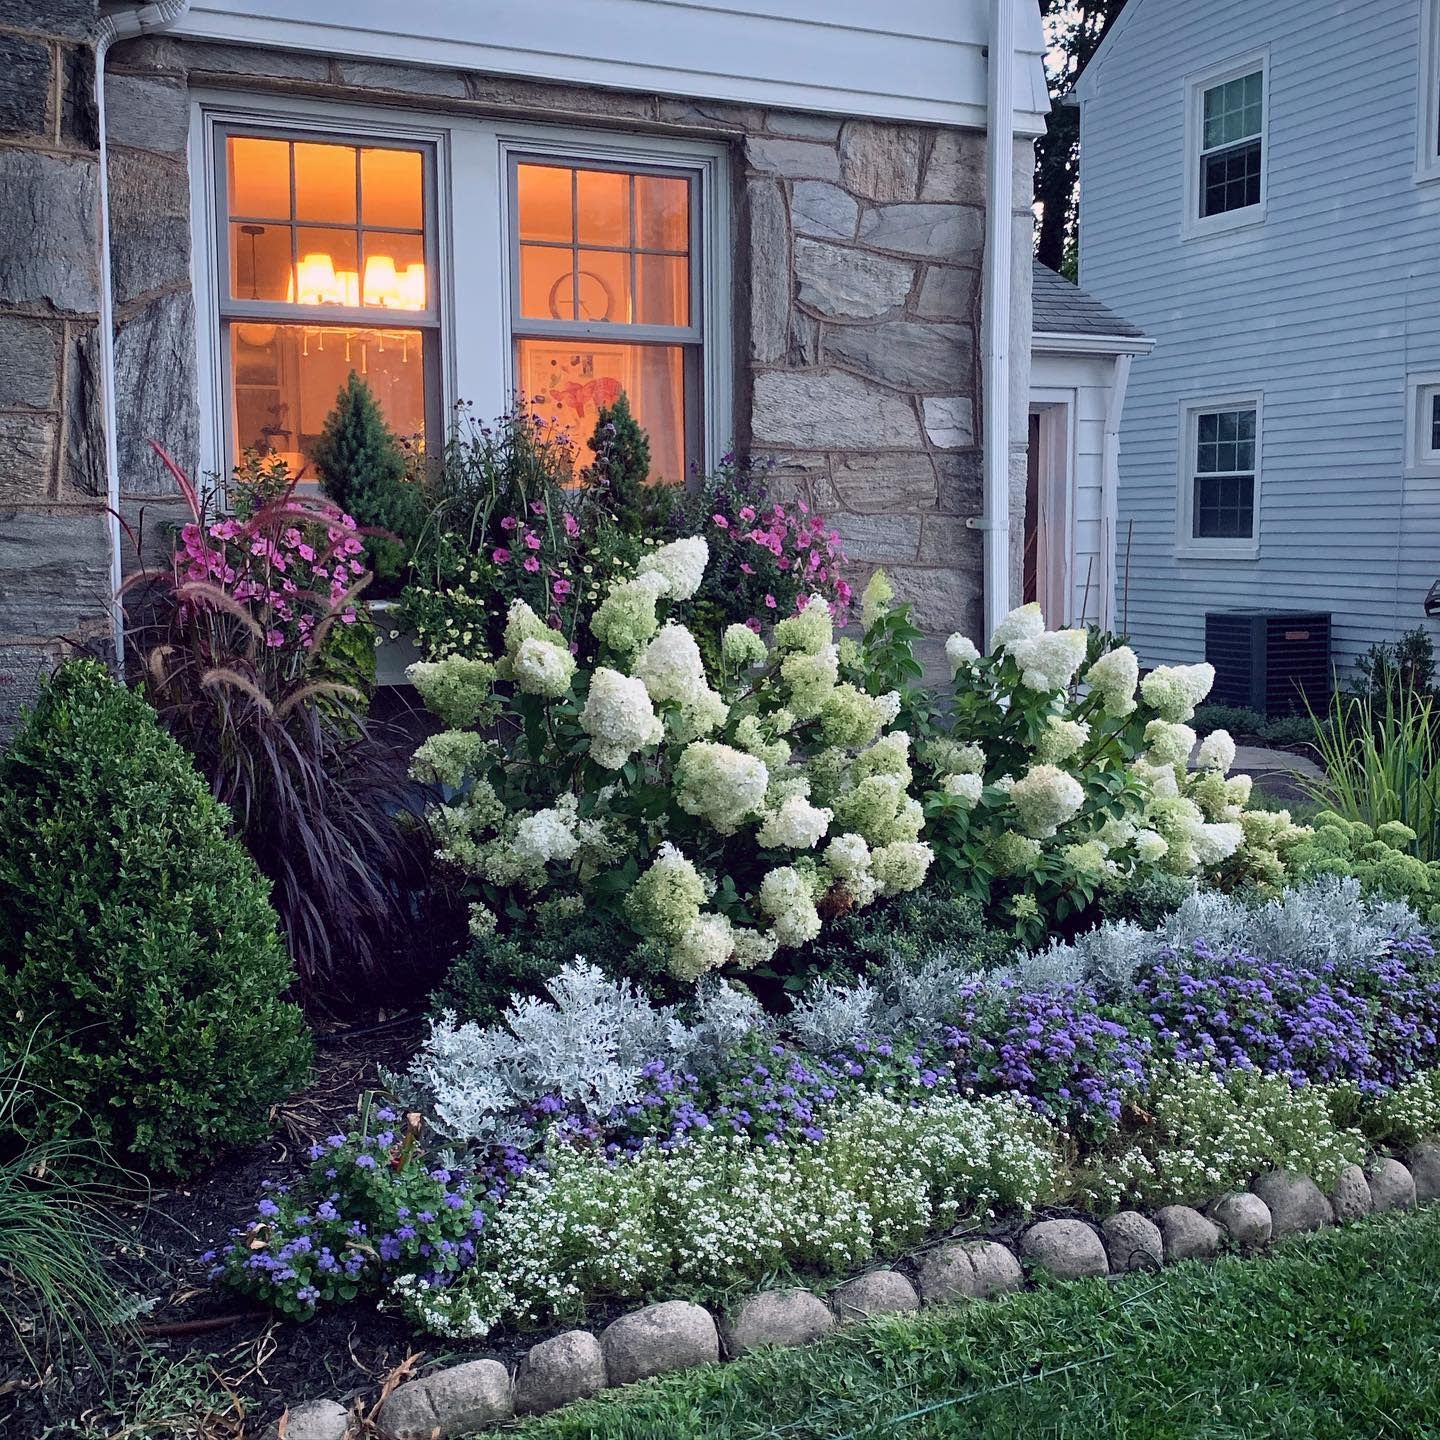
1081, 352
1260, 191
772, 223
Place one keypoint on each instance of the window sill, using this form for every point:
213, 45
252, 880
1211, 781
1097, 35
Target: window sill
1228, 224
1427, 172
1218, 552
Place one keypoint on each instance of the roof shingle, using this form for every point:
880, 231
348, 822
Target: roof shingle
1065, 309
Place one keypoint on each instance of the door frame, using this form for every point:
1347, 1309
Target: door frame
1055, 523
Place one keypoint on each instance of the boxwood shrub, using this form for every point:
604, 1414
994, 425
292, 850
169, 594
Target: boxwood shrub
140, 966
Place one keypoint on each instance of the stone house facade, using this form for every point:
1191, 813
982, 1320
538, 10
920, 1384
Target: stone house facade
852, 281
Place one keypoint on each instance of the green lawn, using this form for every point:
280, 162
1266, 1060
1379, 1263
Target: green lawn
1331, 1335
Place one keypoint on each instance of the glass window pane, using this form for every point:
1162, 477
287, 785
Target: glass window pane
662, 213
260, 262
568, 381
394, 271
285, 379
664, 290
1234, 111
327, 271
604, 291
258, 177
1435, 422
325, 183
1231, 180
390, 189
544, 194
603, 207
1224, 508
547, 283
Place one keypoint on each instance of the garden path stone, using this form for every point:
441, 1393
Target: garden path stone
558, 1371
448, 1403
968, 1270
778, 1317
1067, 1249
1132, 1242
1295, 1203
881, 1292
1392, 1187
1187, 1234
314, 1420
1245, 1217
673, 1335
1350, 1199
1423, 1162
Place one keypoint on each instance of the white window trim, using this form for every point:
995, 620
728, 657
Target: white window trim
1420, 390
1427, 137
1194, 226
1187, 547
472, 243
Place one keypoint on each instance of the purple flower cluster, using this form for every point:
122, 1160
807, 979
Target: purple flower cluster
371, 1207
1374, 1022
1075, 1059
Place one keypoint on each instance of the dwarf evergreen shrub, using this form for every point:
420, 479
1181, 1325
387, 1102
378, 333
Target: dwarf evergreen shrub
139, 960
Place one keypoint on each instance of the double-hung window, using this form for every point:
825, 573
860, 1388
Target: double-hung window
1428, 151
1227, 139
326, 265
606, 299
1220, 475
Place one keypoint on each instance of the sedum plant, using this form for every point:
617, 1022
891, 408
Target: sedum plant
722, 815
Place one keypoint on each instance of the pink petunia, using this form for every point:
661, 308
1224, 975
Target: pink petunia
748, 569
532, 540
274, 638
721, 521
305, 552
531, 564
537, 507
500, 556
561, 588
747, 512
509, 523
753, 624
572, 525
769, 602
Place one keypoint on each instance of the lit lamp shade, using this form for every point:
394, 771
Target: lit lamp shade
412, 287
382, 283
316, 282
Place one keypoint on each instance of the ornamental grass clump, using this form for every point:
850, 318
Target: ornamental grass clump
723, 815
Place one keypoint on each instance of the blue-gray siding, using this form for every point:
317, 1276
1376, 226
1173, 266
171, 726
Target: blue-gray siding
1326, 308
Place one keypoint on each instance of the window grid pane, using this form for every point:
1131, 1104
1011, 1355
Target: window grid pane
1224, 484
1435, 421
1231, 180
1234, 111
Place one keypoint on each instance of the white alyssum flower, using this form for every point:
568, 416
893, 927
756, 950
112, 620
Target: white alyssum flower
960, 651
542, 668
1025, 623
1217, 752
1113, 677
1175, 690
796, 825
1045, 797
723, 785
682, 563
1048, 661
618, 717
966, 788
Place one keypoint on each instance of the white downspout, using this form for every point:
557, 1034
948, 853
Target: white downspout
1110, 461
998, 282
122, 24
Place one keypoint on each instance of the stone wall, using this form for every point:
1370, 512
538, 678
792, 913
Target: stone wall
54, 542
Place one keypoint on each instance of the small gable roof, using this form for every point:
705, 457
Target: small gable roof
1061, 308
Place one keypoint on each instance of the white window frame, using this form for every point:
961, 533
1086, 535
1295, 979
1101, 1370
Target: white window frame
1187, 545
471, 243
1421, 457
1195, 226
1427, 138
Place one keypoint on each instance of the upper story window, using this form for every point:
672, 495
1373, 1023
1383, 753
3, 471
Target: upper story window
1423, 423
327, 266
1428, 139
1226, 163
605, 299
1219, 507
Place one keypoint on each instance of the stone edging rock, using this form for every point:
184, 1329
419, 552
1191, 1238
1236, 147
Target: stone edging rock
678, 1335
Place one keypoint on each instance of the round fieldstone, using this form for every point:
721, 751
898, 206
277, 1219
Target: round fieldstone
314, 1420
1131, 1242
1350, 1199
1245, 1218
881, 1292
1066, 1249
674, 1335
558, 1371
1294, 1201
779, 1317
1187, 1234
968, 1270
1392, 1187
449, 1403
1423, 1163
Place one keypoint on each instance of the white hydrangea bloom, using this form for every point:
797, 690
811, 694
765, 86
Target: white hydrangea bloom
542, 668
724, 785
1025, 623
671, 667
1062, 739
754, 947
1159, 780
1217, 752
1149, 846
786, 898
1169, 744
1048, 661
960, 651
521, 624
742, 647
876, 599
1214, 843
618, 717
1114, 677
808, 632
1118, 833
796, 825
706, 945
1175, 690
682, 563
887, 707
665, 901
1044, 799
547, 835
966, 788
900, 866
1237, 789
847, 856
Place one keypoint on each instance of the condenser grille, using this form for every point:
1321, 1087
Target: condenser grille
1272, 661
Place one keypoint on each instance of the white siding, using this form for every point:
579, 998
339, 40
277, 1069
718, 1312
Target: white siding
1325, 308
917, 60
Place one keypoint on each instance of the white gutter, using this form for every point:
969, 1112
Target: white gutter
120, 24
1110, 473
1061, 342
994, 522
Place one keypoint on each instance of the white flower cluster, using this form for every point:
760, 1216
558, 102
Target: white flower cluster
1113, 677
1045, 797
672, 671
682, 564
619, 718
1175, 690
796, 825
1048, 661
960, 651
